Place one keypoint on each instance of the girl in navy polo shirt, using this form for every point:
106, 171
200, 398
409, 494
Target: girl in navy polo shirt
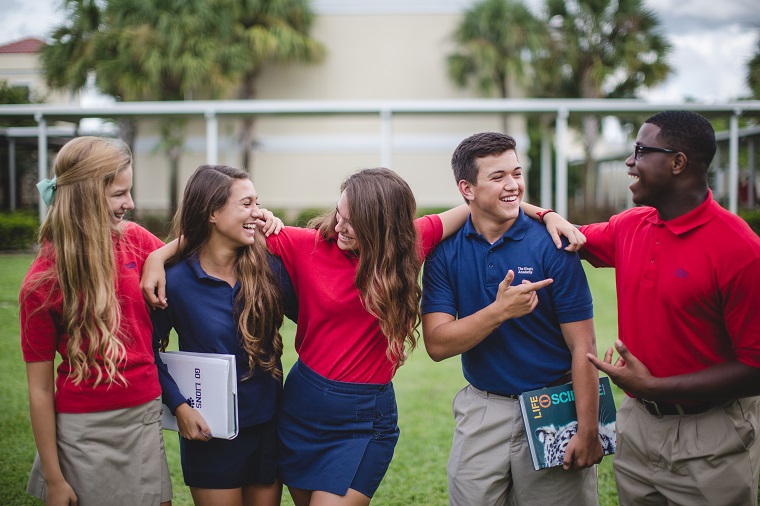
227, 296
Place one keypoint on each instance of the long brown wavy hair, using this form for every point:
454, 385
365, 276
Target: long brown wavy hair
259, 304
381, 208
77, 237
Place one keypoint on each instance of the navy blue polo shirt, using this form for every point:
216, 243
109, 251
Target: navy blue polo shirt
201, 311
462, 276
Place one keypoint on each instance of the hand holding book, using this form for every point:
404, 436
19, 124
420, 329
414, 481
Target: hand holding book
191, 423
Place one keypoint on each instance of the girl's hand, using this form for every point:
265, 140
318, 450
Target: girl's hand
269, 223
153, 281
191, 423
59, 493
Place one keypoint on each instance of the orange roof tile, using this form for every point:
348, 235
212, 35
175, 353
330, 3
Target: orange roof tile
27, 45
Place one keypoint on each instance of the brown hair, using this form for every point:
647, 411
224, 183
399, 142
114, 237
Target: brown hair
382, 209
77, 236
259, 303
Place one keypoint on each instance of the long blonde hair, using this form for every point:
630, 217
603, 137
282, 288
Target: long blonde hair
77, 236
259, 304
381, 208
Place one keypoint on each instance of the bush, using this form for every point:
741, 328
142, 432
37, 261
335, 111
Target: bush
305, 216
18, 231
159, 225
752, 217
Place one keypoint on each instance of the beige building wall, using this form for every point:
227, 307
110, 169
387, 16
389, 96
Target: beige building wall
375, 51
23, 69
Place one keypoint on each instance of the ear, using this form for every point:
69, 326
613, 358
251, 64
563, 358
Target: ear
212, 218
679, 163
465, 188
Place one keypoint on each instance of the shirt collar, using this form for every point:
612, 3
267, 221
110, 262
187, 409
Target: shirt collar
195, 264
697, 217
515, 233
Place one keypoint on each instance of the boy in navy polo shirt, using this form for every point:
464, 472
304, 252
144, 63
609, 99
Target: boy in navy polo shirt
519, 312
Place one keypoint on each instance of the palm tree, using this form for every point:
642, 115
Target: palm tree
147, 50
600, 49
260, 33
753, 73
496, 40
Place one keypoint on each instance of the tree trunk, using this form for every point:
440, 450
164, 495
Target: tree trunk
247, 92
590, 136
128, 133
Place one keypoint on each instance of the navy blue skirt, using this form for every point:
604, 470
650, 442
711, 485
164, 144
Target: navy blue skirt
249, 459
335, 435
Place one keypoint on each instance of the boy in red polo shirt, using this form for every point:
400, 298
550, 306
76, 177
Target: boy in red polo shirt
688, 280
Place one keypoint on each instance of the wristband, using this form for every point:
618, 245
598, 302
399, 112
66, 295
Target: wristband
544, 213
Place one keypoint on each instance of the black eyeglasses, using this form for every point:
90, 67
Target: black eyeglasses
638, 150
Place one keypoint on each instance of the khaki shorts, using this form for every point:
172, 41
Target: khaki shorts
113, 458
490, 459
711, 458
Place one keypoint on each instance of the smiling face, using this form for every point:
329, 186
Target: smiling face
652, 174
234, 223
346, 236
119, 196
499, 190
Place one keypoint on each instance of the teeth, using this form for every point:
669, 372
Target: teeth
249, 226
633, 176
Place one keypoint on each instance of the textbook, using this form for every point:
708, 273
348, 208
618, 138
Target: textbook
550, 421
209, 383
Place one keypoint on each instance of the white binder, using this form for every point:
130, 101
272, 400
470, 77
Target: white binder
209, 381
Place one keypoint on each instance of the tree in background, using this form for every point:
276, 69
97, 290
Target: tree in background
753, 72
263, 33
600, 49
496, 41
174, 50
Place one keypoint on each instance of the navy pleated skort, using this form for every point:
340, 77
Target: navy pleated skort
335, 435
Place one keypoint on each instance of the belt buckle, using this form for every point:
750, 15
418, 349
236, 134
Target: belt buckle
647, 404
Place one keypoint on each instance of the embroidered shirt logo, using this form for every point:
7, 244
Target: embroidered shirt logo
131, 265
681, 273
525, 271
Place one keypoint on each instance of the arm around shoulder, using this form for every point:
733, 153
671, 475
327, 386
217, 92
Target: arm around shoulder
453, 219
153, 278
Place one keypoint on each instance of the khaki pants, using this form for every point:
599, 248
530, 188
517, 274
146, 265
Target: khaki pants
490, 461
704, 459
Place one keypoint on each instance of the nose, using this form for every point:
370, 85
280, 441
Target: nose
340, 224
256, 212
129, 204
631, 160
510, 183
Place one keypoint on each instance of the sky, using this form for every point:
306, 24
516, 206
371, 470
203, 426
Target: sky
712, 41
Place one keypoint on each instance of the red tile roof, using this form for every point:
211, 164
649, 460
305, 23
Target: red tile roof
27, 46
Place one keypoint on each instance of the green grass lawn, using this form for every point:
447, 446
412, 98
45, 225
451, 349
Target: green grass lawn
425, 389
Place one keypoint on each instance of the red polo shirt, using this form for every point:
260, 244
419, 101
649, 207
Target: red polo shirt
43, 333
688, 289
336, 336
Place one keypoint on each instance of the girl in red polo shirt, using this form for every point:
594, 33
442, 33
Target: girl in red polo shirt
97, 422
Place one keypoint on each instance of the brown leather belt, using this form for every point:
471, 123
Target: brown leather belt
660, 409
565, 378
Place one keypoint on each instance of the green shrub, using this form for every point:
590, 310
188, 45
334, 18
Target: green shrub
159, 225
424, 211
307, 215
18, 231
752, 217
